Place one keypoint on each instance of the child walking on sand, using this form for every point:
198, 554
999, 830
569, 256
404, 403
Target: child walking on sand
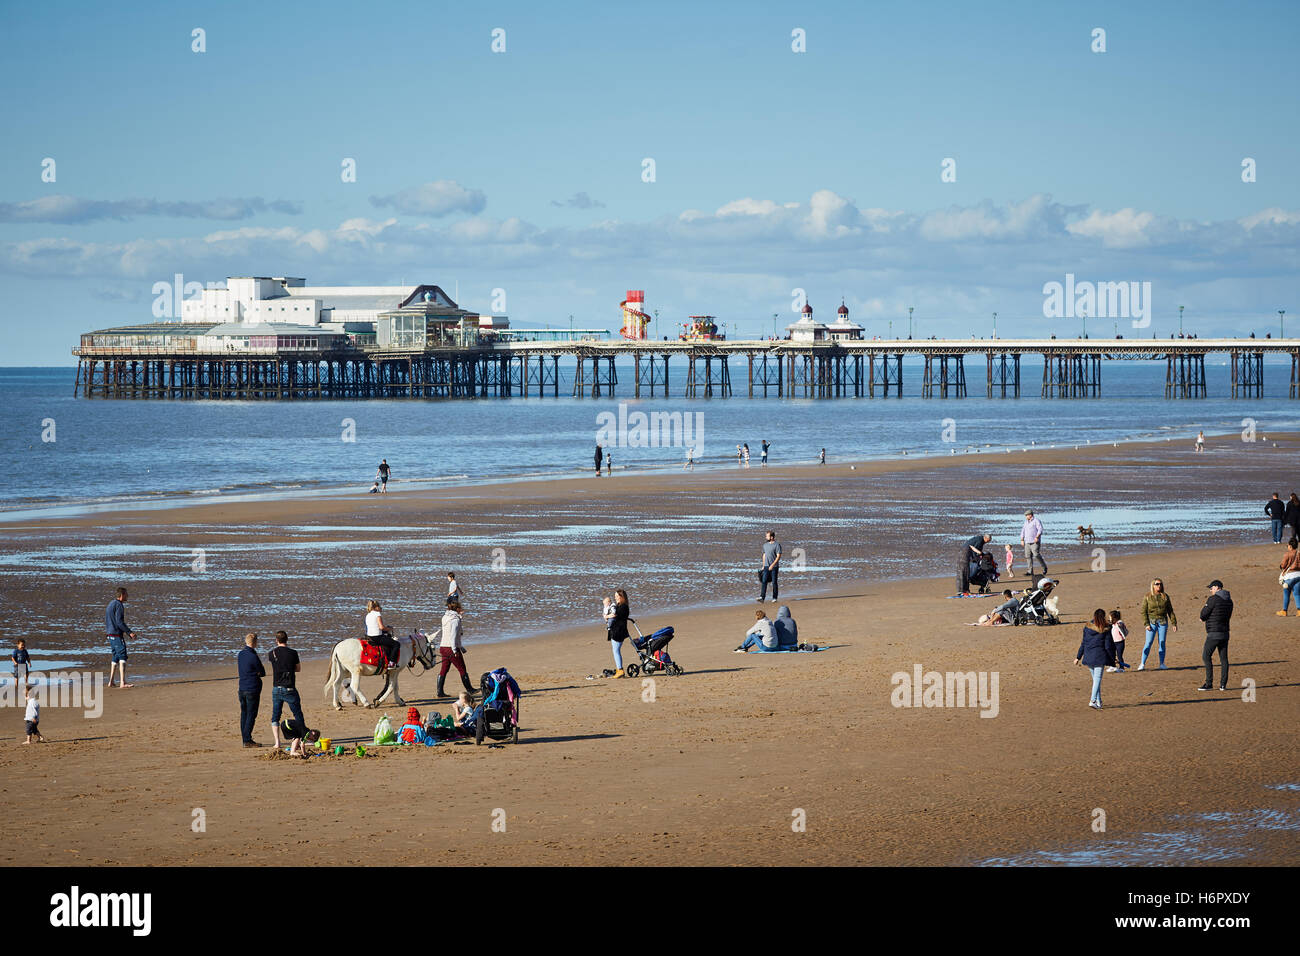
1011, 557
22, 663
1118, 631
33, 717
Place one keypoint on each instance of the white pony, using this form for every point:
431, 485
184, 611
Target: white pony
346, 656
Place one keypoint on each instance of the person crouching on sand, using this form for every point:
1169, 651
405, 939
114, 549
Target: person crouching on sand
1096, 652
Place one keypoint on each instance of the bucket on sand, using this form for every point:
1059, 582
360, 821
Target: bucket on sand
324, 743
338, 751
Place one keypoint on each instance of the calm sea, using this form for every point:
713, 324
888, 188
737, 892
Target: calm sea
109, 451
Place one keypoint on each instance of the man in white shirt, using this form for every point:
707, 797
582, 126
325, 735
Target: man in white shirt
1031, 536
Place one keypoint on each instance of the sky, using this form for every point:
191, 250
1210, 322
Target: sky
953, 158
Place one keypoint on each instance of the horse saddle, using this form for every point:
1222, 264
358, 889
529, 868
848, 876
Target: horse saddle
372, 655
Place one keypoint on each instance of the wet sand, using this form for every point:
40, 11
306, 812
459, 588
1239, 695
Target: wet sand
714, 766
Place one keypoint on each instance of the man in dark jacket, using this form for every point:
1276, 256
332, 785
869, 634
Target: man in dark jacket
117, 631
1216, 614
1291, 515
251, 673
1276, 512
970, 552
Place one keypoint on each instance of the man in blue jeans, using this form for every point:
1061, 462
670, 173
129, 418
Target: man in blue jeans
284, 665
251, 673
771, 565
1276, 509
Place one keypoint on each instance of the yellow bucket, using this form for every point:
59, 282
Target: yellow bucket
324, 743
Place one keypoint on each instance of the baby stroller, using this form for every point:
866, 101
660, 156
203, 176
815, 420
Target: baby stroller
651, 651
1033, 608
498, 716
984, 572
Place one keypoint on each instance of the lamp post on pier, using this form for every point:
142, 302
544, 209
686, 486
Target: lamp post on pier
909, 321
1281, 323
1180, 321
995, 325
775, 316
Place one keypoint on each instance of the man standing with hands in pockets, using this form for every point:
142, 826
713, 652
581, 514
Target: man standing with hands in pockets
1031, 536
768, 572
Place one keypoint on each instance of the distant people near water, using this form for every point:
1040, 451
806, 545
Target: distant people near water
1292, 515
1216, 613
116, 629
1010, 557
382, 476
22, 661
760, 637
251, 672
1031, 536
690, 460
1289, 577
616, 628
453, 588
1157, 617
451, 649
766, 445
746, 454
379, 634
609, 463
770, 567
740, 455
1118, 633
600, 457
822, 460
374, 489
970, 552
1096, 652
1275, 509
285, 667
1200, 441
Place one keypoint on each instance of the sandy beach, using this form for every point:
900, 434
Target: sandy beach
721, 765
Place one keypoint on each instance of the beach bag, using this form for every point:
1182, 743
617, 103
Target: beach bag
1287, 577
384, 731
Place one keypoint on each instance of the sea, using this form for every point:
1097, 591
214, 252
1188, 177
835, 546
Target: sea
78, 454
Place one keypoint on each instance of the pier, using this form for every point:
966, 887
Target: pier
518, 368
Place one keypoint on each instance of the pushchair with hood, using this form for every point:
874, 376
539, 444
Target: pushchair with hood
497, 717
983, 572
1034, 606
652, 652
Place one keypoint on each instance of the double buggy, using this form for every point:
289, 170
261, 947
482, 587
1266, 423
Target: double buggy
497, 717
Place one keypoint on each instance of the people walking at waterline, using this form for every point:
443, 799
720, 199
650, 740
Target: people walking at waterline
1096, 652
600, 456
1031, 536
822, 460
1216, 613
1200, 441
381, 475
609, 463
745, 454
617, 628
117, 631
1157, 617
22, 661
690, 460
770, 567
766, 445
1291, 515
1275, 509
1289, 577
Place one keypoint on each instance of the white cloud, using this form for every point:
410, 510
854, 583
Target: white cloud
440, 198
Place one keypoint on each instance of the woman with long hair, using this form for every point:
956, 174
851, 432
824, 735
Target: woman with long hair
1157, 616
451, 651
618, 629
1289, 577
1096, 652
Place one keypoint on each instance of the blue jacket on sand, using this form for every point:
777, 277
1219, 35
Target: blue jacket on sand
1096, 650
251, 671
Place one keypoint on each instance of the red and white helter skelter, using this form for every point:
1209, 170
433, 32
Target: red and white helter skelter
635, 319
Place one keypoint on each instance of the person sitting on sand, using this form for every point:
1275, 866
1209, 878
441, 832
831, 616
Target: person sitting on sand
462, 709
1004, 613
787, 631
761, 637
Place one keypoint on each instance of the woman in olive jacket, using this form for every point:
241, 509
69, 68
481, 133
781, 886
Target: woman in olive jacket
1158, 615
1096, 652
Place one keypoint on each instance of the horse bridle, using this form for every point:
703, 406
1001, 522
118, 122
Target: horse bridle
422, 656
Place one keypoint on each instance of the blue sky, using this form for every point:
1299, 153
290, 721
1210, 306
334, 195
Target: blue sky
775, 170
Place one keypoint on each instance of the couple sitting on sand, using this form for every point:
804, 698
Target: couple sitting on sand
766, 635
